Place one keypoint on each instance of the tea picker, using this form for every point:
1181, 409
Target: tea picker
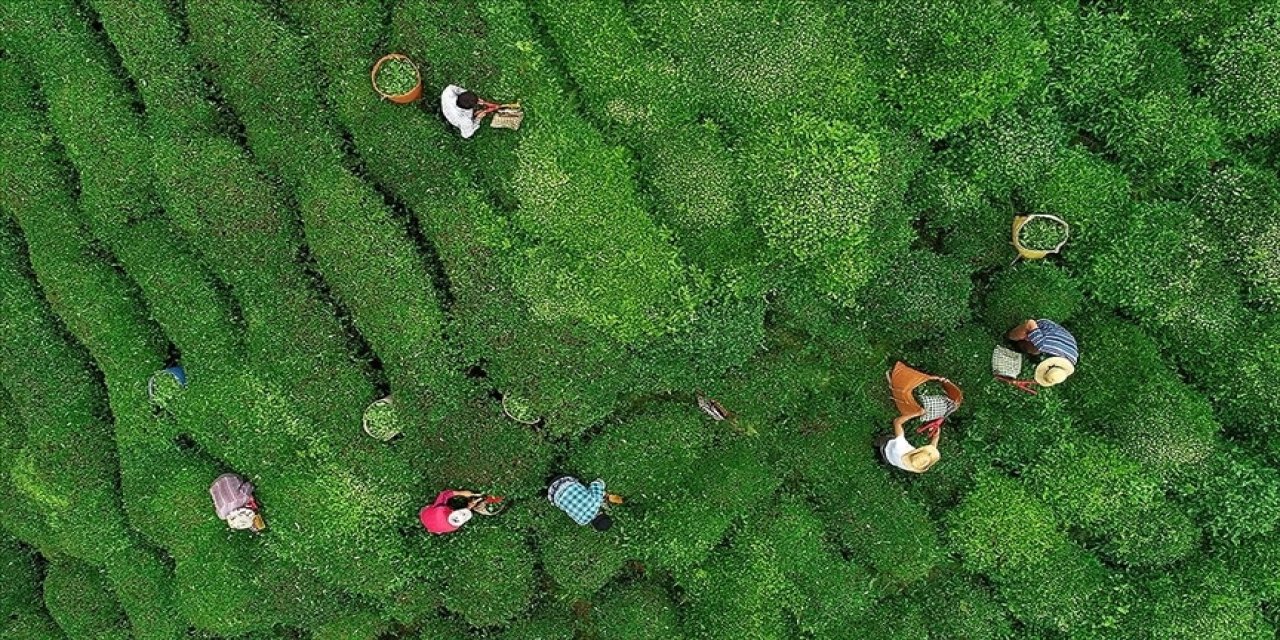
1041, 338
234, 503
452, 509
585, 504
466, 110
930, 409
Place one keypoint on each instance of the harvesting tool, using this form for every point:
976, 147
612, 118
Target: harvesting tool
490, 506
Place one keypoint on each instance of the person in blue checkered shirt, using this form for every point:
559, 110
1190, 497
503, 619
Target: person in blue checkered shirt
583, 503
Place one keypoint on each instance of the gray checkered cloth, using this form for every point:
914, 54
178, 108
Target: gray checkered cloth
1006, 362
936, 407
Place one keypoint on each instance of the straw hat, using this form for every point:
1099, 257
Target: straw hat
922, 458
1053, 371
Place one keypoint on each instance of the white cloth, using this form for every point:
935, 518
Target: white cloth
459, 517
897, 449
463, 119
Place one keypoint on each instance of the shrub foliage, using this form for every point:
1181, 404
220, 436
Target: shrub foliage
766, 204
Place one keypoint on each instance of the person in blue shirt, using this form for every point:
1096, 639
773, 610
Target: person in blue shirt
1049, 339
583, 503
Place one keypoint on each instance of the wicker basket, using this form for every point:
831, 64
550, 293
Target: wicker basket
403, 98
364, 422
1037, 254
507, 412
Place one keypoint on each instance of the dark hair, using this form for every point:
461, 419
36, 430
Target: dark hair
602, 522
467, 100
458, 502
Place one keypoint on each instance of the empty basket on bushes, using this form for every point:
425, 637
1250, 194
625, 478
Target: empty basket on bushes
903, 380
518, 411
1037, 253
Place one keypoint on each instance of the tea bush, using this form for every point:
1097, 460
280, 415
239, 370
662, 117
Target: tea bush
946, 64
203, 180
636, 612
1095, 57
963, 608
21, 595
918, 295
686, 169
117, 198
1116, 500
68, 484
578, 566
729, 54
967, 225
1244, 69
1232, 198
1165, 137
823, 592
490, 577
358, 245
832, 210
1011, 149
1201, 601
1232, 493
1044, 579
735, 595
81, 601
1031, 291
766, 204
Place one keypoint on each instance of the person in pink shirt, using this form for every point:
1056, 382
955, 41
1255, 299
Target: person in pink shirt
450, 511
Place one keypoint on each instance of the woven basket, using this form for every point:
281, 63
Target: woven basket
1037, 254
507, 412
403, 98
507, 117
364, 421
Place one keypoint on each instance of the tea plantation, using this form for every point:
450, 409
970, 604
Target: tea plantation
764, 203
